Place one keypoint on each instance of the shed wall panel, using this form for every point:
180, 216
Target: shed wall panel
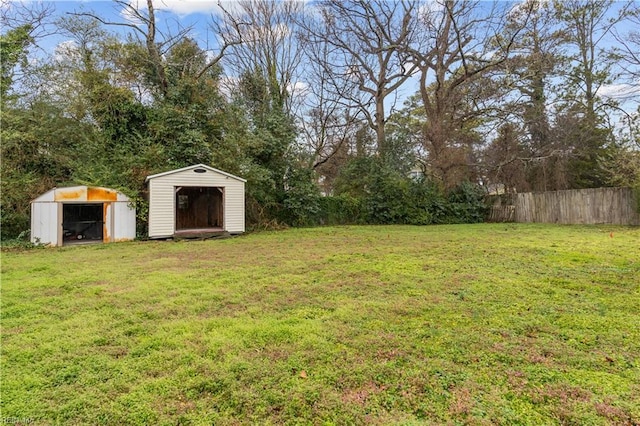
124, 222
234, 208
161, 209
45, 223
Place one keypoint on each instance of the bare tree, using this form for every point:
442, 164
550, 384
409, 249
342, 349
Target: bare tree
464, 42
367, 49
628, 49
327, 125
142, 22
587, 26
36, 15
23, 25
268, 45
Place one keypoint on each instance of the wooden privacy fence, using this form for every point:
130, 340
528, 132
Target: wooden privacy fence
616, 206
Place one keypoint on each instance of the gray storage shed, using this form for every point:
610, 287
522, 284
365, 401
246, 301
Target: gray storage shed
80, 214
195, 200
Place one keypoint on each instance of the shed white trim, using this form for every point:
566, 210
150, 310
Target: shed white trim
184, 169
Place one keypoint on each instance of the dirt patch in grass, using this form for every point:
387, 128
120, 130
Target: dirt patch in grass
360, 396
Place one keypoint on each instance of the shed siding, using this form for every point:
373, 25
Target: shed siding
45, 223
161, 209
234, 208
162, 200
124, 222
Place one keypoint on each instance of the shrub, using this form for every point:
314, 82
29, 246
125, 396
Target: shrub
301, 199
340, 210
428, 203
382, 195
466, 204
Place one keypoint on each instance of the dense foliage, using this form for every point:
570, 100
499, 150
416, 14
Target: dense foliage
298, 104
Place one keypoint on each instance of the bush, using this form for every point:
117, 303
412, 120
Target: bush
12, 224
21, 242
378, 194
301, 199
428, 203
466, 204
340, 210
387, 200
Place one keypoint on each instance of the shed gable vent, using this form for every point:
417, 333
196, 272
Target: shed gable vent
199, 170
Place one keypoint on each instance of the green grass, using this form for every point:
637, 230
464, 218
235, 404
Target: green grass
467, 324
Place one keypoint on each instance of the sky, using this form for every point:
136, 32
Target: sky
171, 14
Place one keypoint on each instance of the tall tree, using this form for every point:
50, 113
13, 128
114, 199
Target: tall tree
528, 76
24, 24
144, 28
465, 42
13, 51
264, 72
368, 44
588, 24
328, 127
505, 158
268, 44
628, 49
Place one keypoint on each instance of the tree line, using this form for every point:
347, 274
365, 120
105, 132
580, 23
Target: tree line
336, 111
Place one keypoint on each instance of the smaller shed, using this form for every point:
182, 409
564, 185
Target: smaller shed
195, 200
81, 214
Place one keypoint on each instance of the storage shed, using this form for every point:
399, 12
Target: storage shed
81, 214
195, 200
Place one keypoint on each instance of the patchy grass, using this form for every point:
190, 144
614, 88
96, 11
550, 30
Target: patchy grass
467, 324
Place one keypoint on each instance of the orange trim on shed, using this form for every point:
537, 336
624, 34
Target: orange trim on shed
71, 194
101, 194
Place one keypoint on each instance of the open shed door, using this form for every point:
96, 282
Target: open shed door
82, 222
199, 208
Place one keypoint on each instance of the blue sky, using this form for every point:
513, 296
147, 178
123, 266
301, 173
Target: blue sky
171, 15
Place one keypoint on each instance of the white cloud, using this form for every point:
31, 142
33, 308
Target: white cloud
620, 91
185, 7
430, 7
298, 88
65, 48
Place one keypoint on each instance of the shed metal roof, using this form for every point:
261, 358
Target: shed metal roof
196, 166
81, 193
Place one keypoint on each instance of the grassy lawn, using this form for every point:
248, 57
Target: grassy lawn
466, 324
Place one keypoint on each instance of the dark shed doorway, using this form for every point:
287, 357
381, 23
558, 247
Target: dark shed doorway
82, 222
199, 208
